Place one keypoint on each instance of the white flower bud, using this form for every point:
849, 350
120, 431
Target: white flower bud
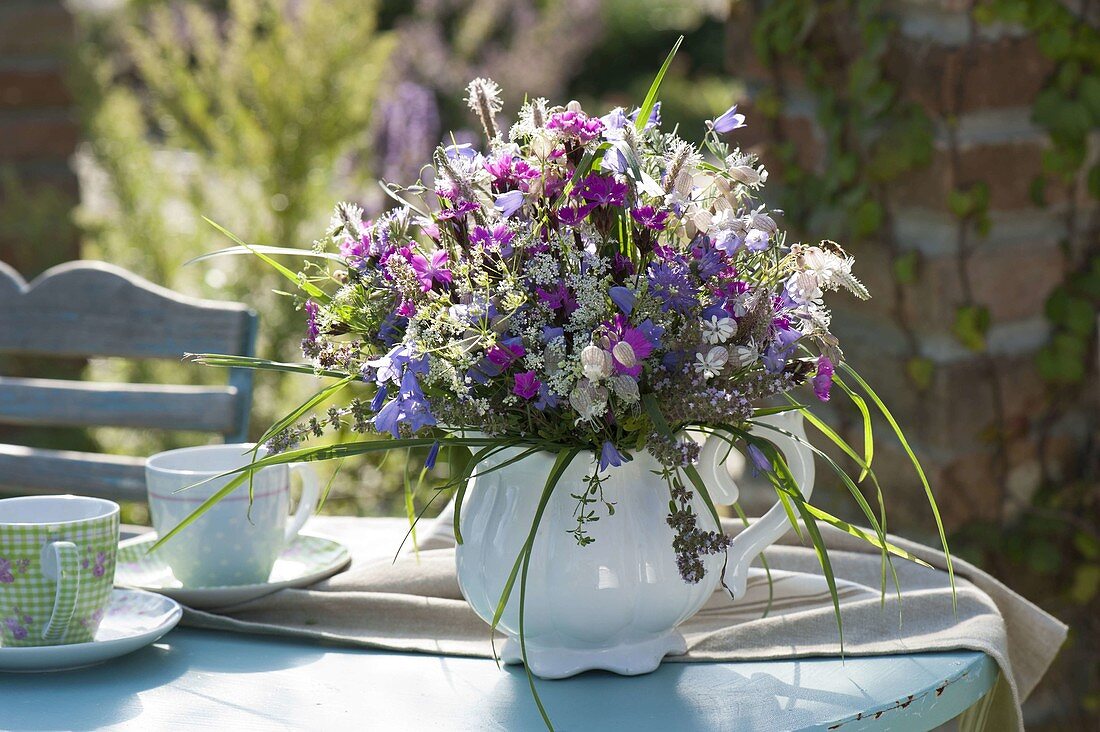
745, 174
625, 387
624, 354
595, 362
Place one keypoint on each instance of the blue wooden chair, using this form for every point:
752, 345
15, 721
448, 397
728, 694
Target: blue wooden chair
88, 309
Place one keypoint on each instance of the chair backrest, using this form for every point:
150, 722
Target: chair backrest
88, 309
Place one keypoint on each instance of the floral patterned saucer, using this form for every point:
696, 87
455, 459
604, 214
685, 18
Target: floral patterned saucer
307, 559
133, 620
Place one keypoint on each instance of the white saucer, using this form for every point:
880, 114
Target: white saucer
133, 620
305, 560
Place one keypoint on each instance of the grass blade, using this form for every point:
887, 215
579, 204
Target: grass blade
240, 250
651, 96
920, 473
261, 364
304, 284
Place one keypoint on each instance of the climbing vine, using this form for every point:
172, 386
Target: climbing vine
871, 136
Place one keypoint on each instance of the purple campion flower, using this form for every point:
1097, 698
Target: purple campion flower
430, 271
629, 345
507, 352
650, 218
498, 239
601, 190
621, 266
509, 172
459, 209
509, 202
526, 385
728, 121
358, 248
575, 124
611, 456
558, 298
624, 298
574, 215
823, 379
671, 283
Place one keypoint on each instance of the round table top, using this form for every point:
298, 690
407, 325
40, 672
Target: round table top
195, 679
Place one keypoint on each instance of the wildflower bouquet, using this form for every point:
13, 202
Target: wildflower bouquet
588, 285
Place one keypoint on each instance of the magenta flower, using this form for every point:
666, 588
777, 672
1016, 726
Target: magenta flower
498, 239
630, 345
558, 298
601, 190
457, 211
823, 379
312, 327
650, 218
576, 124
431, 271
509, 172
507, 352
573, 215
526, 385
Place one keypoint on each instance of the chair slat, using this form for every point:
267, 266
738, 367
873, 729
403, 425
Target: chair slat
80, 309
89, 404
34, 470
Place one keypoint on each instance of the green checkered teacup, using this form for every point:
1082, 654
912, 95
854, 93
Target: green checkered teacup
57, 568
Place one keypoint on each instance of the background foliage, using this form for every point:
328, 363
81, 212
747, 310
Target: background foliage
261, 113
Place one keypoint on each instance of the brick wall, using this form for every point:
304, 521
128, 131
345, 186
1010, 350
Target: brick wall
986, 424
38, 134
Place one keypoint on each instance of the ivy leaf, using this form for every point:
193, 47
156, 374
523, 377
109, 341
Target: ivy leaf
920, 371
971, 326
905, 267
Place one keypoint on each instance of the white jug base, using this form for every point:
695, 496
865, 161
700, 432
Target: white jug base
628, 659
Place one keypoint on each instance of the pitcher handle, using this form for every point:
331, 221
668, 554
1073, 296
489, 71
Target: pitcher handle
748, 545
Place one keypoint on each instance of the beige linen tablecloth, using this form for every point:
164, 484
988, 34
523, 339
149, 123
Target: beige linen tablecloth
414, 604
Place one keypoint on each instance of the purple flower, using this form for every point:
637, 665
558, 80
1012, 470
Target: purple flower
312, 328
630, 345
650, 218
727, 241
610, 456
760, 461
509, 202
756, 240
559, 298
614, 160
526, 385
433, 453
507, 352
357, 248
410, 407
510, 172
728, 121
461, 152
498, 239
549, 333
601, 190
614, 120
430, 271
654, 116
573, 215
823, 379
547, 399
623, 297
6, 575
670, 282
575, 124
708, 259
458, 209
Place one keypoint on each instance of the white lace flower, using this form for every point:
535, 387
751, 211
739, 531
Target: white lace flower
718, 330
711, 363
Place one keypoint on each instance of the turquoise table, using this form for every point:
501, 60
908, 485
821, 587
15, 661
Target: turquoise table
209, 680
196, 679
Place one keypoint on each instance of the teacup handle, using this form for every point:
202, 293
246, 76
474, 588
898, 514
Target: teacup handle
307, 504
61, 563
748, 545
